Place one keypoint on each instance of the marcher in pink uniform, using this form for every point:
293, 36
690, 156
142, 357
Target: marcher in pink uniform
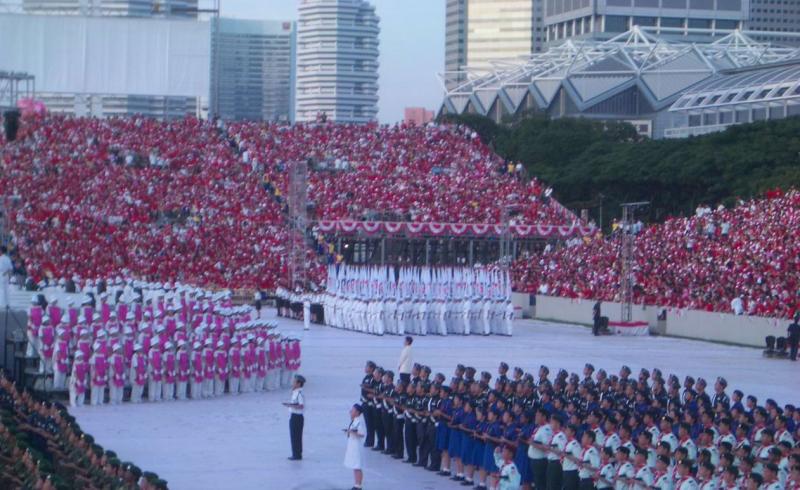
77, 380
99, 369
47, 337
208, 364
168, 385
155, 374
116, 382
60, 360
220, 369
184, 370
138, 373
235, 357
198, 372
261, 366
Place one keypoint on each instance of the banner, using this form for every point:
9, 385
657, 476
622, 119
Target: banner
349, 227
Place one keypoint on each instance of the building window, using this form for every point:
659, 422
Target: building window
671, 22
726, 24
644, 21
616, 23
700, 23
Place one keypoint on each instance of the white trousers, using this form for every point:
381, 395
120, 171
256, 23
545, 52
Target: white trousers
59, 380
98, 395
197, 390
180, 390
233, 385
286, 378
259, 384
136, 393
154, 391
75, 399
115, 394
208, 388
4, 299
168, 391
219, 386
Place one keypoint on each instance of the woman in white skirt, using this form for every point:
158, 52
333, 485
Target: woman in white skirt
353, 457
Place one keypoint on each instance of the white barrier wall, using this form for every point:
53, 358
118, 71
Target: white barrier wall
108, 55
694, 324
721, 327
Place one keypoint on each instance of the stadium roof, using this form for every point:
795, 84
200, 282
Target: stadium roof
761, 85
594, 70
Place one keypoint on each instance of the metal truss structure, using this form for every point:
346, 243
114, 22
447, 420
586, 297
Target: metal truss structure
591, 71
15, 86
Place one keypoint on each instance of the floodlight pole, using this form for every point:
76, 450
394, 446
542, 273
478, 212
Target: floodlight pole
627, 258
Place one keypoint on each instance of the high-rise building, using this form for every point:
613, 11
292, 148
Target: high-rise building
337, 61
693, 20
499, 30
104, 105
252, 70
455, 49
778, 19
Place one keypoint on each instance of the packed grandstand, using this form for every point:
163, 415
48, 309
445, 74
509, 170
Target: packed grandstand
203, 203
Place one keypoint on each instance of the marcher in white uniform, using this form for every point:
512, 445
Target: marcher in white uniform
306, 313
6, 270
353, 456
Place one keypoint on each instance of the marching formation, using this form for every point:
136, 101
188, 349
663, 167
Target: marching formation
161, 341
596, 431
419, 300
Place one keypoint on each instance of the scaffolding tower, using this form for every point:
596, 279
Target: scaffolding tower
627, 258
297, 201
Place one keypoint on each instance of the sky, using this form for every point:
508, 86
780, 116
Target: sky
411, 48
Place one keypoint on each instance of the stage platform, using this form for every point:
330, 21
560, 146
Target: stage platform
242, 442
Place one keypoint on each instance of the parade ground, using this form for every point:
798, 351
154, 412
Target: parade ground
242, 442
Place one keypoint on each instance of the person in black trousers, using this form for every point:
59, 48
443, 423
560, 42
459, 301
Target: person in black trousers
399, 401
596, 319
793, 337
367, 389
411, 425
296, 420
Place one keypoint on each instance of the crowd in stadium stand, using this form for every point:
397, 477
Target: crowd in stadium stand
159, 341
42, 447
165, 200
396, 173
742, 260
194, 201
594, 430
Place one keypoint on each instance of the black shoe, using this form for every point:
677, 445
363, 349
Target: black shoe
292, 458
466, 483
443, 473
379, 448
457, 478
409, 461
386, 451
397, 457
418, 465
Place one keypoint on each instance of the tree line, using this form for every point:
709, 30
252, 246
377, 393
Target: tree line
589, 163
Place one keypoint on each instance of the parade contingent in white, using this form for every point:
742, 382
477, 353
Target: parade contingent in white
419, 300
160, 341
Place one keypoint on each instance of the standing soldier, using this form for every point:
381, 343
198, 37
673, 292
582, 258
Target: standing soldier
168, 385
138, 373
366, 389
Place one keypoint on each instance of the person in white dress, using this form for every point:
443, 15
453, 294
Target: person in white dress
354, 454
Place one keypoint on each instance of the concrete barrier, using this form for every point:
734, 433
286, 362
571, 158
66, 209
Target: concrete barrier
721, 327
693, 324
